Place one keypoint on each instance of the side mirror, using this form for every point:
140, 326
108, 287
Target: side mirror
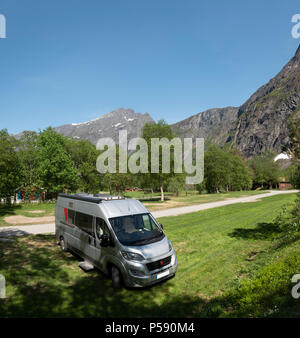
105, 240
161, 226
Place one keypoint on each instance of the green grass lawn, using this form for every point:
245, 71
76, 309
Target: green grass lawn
48, 209
191, 198
194, 195
26, 209
216, 249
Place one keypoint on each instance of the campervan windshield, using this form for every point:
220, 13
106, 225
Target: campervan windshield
136, 229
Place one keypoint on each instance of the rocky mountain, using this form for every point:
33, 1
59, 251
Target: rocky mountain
262, 120
212, 125
107, 125
260, 124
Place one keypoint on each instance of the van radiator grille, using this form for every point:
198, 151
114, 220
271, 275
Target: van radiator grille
159, 264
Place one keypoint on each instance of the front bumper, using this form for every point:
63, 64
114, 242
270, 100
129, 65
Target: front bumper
149, 278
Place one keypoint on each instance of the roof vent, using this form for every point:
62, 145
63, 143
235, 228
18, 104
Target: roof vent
97, 198
106, 197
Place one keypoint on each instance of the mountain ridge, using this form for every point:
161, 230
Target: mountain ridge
262, 119
258, 125
211, 124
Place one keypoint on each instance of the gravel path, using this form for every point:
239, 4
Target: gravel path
210, 205
21, 230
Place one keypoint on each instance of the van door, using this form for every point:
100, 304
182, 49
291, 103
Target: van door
86, 235
100, 229
71, 231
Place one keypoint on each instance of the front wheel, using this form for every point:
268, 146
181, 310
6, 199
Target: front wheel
116, 277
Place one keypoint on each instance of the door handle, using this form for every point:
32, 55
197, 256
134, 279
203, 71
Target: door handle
92, 242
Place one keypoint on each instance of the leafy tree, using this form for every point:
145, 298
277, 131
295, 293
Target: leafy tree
201, 187
266, 171
158, 130
288, 220
176, 184
224, 170
29, 159
118, 181
240, 177
294, 170
216, 169
56, 170
84, 156
9, 166
294, 175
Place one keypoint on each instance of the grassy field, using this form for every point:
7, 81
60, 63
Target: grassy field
27, 210
192, 197
193, 194
48, 209
216, 249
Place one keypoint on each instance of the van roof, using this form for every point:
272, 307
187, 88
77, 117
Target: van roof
98, 198
112, 206
125, 207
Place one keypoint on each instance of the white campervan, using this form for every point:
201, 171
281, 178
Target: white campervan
117, 235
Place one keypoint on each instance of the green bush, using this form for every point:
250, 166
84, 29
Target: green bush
288, 221
269, 292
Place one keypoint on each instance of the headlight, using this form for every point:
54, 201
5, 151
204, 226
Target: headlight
131, 256
173, 260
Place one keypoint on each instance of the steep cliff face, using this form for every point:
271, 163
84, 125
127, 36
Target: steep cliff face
262, 120
212, 125
259, 125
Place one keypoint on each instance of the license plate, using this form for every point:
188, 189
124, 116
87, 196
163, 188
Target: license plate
161, 275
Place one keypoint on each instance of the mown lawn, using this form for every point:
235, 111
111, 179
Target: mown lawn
27, 210
193, 197
216, 248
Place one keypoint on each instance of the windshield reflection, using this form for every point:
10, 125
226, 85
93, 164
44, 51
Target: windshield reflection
136, 229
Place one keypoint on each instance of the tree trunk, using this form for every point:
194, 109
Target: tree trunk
8, 201
162, 195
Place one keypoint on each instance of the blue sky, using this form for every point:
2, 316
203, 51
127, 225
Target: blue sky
71, 61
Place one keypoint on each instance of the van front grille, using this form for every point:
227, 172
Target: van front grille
159, 264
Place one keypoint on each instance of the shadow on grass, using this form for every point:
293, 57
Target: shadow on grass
266, 231
42, 281
8, 210
153, 199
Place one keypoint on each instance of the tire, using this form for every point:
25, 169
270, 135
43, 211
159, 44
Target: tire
116, 277
63, 244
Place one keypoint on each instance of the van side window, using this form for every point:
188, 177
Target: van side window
84, 222
148, 222
71, 217
101, 227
